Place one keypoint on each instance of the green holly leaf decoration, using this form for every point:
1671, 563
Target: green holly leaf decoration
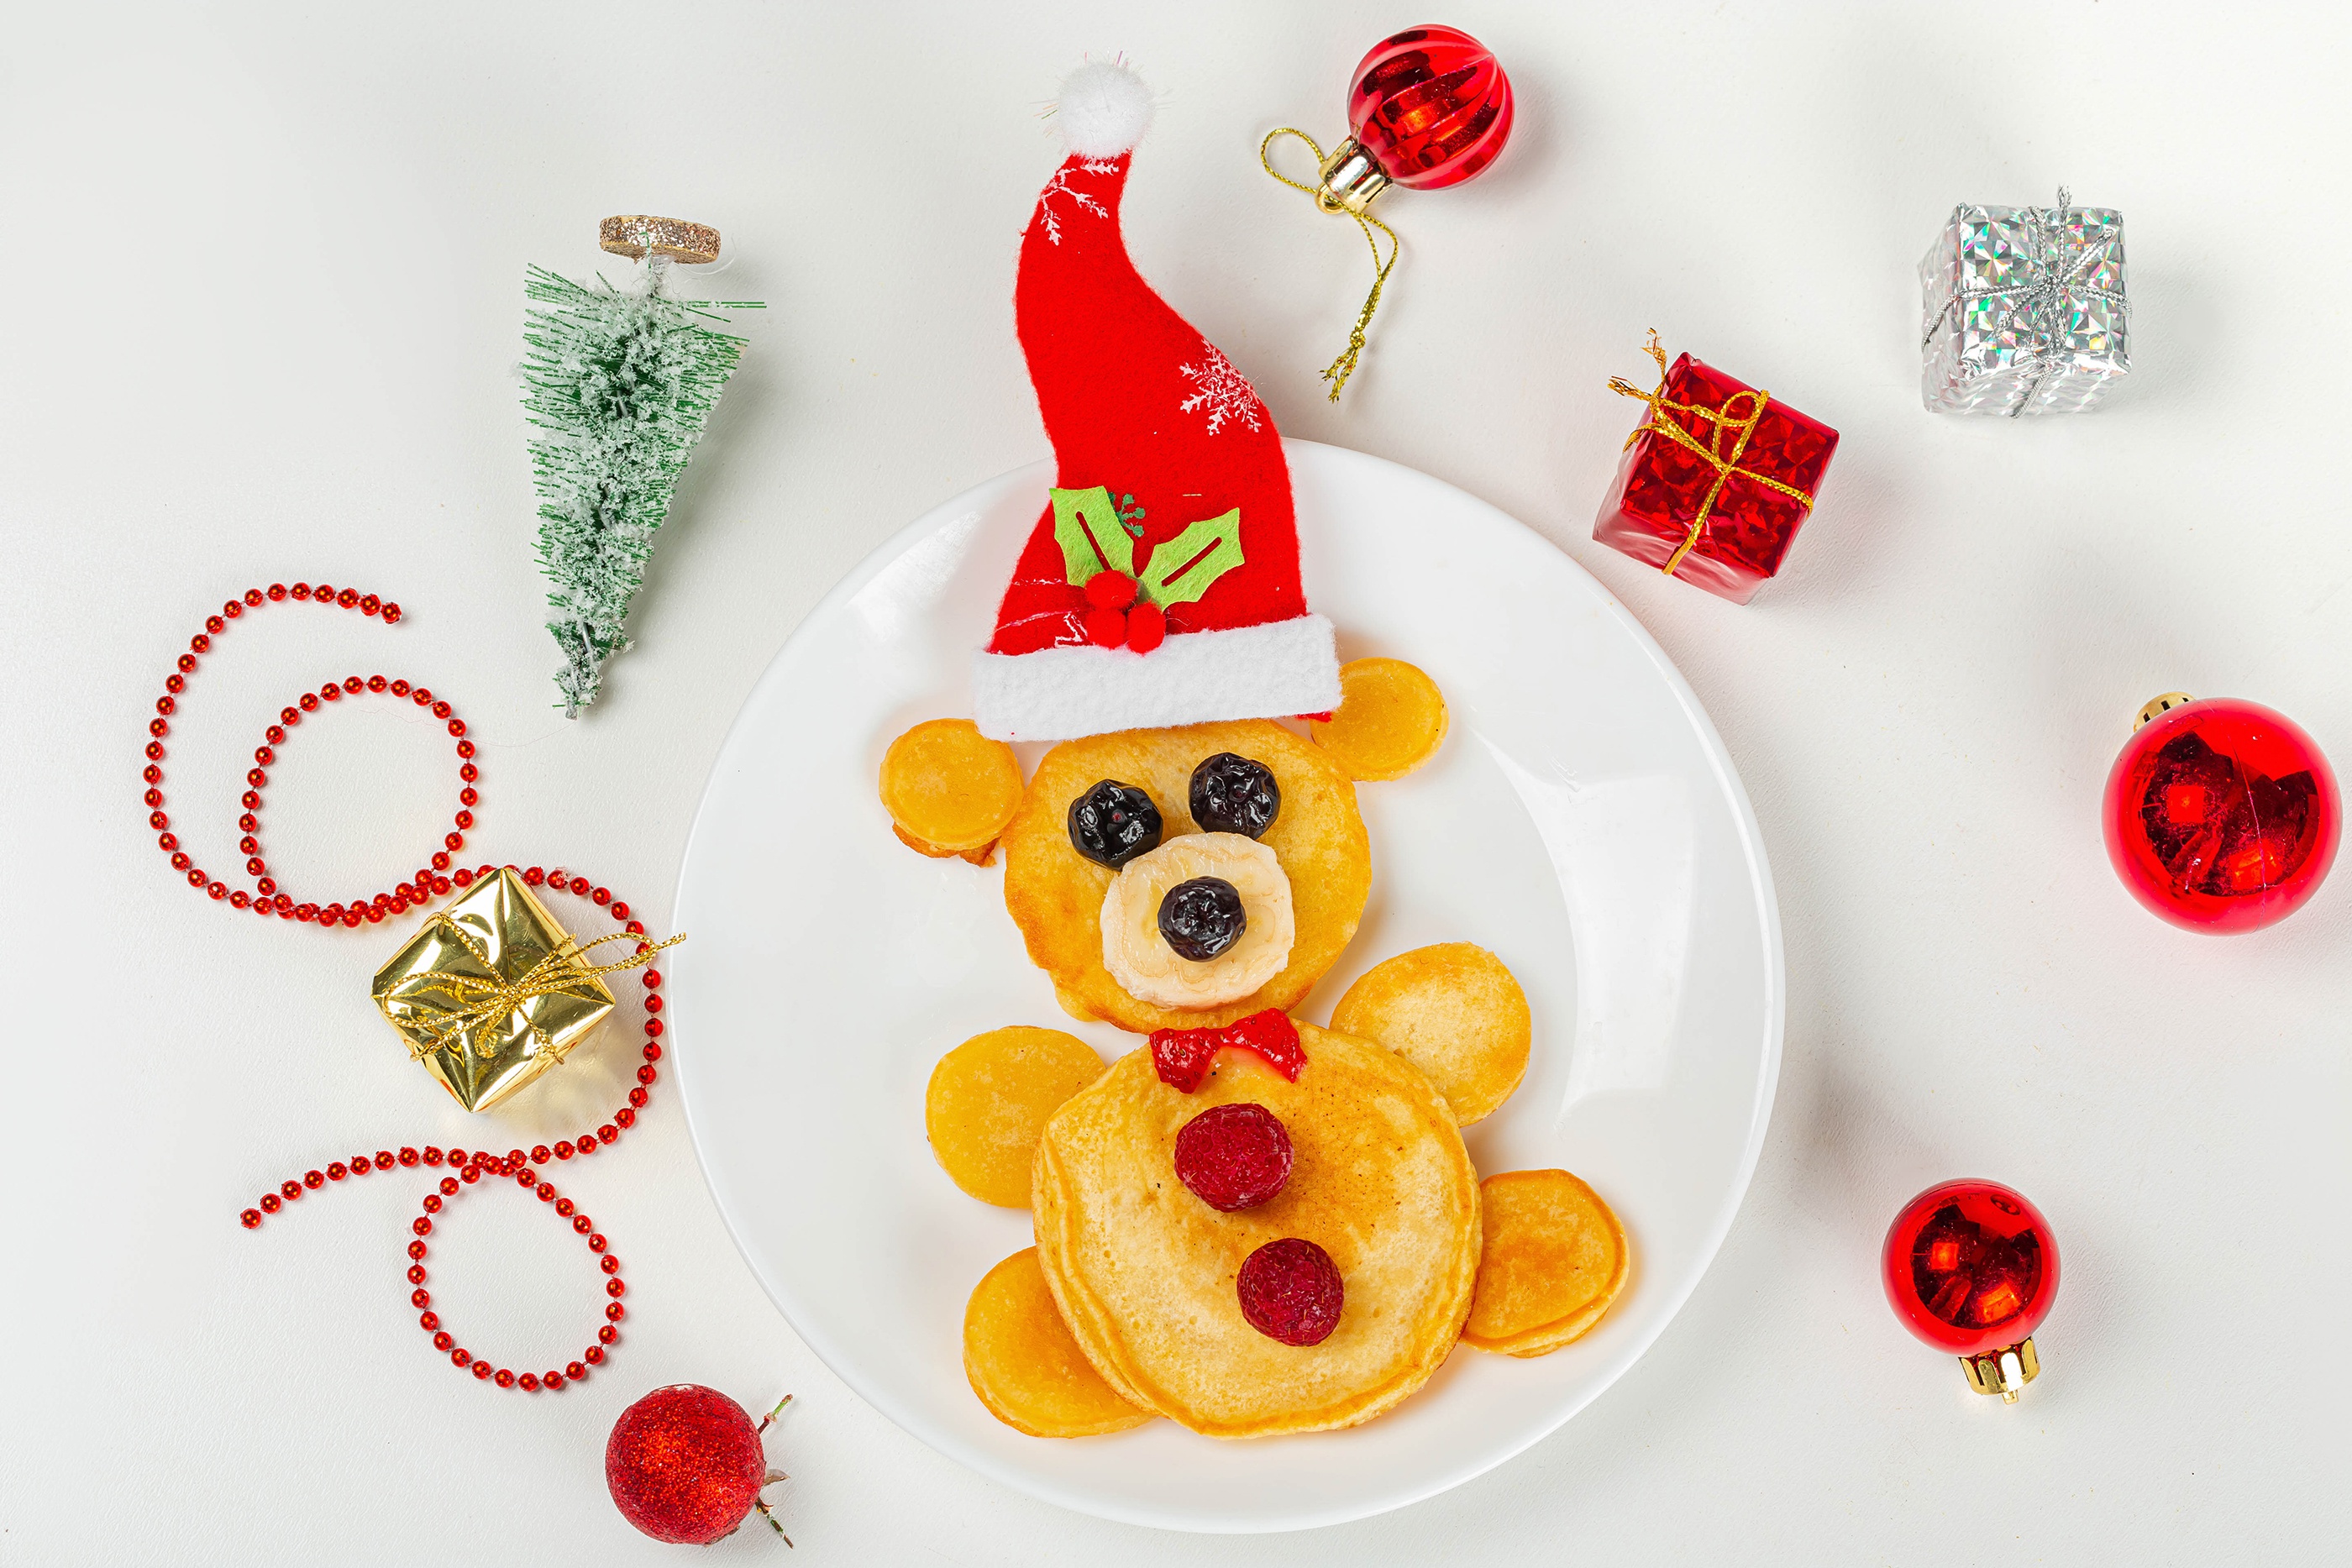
1181, 569
1087, 527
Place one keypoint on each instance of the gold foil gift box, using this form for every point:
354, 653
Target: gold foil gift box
491, 992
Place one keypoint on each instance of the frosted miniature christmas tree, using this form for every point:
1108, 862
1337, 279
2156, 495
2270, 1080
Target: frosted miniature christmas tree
620, 383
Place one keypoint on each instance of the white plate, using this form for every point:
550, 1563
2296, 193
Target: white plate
1583, 821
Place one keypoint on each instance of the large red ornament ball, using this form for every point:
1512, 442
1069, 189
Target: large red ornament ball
1970, 1267
2222, 815
685, 1464
1432, 106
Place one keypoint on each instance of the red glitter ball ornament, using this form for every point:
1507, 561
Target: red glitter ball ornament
1432, 106
1972, 1267
684, 1464
2220, 815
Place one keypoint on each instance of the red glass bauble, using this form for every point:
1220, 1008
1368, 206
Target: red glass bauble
1970, 1267
2222, 815
685, 1464
1432, 106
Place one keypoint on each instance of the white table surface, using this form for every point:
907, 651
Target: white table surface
265, 295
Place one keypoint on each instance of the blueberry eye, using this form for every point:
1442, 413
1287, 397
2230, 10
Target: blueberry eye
1235, 795
1202, 917
1112, 824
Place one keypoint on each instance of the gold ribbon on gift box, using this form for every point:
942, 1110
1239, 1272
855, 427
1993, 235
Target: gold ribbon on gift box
491, 991
1732, 419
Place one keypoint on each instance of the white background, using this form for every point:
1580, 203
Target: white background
264, 285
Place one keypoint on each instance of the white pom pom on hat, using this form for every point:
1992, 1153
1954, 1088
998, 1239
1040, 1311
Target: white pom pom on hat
1103, 110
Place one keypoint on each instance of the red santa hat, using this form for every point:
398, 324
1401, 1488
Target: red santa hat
1160, 584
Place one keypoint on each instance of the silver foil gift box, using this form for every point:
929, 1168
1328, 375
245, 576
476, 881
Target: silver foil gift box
2025, 309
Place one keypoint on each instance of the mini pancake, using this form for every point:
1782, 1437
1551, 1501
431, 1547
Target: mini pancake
1454, 1012
984, 856
1554, 1259
1144, 1271
1020, 1360
1390, 719
1054, 895
988, 1100
947, 788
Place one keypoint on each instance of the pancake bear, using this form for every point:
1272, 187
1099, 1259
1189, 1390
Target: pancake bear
1054, 894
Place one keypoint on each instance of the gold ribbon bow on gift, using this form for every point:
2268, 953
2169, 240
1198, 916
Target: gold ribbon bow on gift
1735, 419
482, 1002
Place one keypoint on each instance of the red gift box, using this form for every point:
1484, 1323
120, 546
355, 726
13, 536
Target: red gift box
1715, 482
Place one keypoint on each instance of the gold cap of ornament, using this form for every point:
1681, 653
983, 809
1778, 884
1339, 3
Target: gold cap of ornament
634, 234
2158, 707
1349, 179
2003, 1372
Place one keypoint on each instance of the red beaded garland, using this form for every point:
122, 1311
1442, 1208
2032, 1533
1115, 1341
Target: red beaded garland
266, 897
503, 1378
403, 895
517, 1165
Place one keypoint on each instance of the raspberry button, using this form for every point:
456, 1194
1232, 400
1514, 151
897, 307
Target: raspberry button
1233, 1156
1291, 1291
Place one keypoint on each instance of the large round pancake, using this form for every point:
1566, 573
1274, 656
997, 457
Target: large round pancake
1054, 894
1143, 1271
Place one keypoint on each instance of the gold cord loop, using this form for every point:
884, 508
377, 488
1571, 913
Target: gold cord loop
1344, 366
1733, 418
1266, 147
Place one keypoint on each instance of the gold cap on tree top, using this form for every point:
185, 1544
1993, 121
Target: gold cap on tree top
635, 236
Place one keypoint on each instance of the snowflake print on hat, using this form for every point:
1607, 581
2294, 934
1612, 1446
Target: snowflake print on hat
1223, 390
1059, 185
1171, 485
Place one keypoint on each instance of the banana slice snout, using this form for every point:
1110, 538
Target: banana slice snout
1139, 958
